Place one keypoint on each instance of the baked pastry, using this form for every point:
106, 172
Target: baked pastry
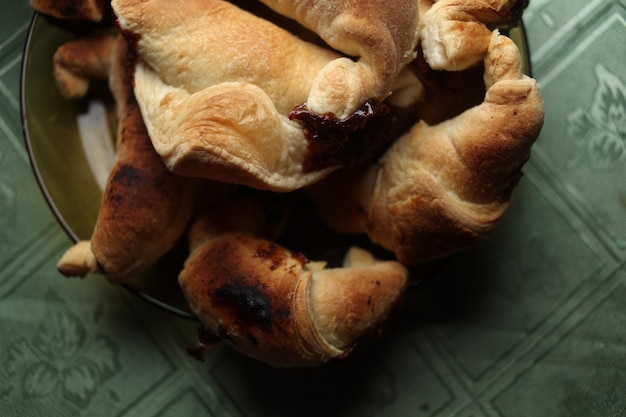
377, 38
277, 306
443, 188
145, 208
75, 64
455, 34
217, 102
89, 10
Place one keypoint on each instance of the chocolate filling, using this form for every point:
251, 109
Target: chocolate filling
357, 139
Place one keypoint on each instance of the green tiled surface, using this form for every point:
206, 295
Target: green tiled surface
531, 323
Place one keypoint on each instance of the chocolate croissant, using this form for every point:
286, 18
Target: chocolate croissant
145, 208
277, 306
216, 85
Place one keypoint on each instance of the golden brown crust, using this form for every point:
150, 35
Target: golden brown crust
462, 171
92, 10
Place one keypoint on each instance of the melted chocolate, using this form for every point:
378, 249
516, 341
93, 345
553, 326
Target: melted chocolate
352, 141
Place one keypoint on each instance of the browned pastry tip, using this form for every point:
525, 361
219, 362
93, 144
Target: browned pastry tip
78, 260
89, 10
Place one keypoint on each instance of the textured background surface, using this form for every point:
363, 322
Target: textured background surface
532, 323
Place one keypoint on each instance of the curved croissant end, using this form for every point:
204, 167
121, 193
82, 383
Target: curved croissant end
276, 306
455, 35
78, 260
458, 175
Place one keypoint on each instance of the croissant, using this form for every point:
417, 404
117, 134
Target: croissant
443, 188
145, 208
216, 85
277, 306
380, 35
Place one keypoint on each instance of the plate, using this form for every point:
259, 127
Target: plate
70, 144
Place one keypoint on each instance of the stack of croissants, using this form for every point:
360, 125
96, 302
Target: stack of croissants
404, 121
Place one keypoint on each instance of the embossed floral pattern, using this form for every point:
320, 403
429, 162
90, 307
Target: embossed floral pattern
600, 129
62, 359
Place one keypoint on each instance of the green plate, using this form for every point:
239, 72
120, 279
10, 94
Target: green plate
70, 143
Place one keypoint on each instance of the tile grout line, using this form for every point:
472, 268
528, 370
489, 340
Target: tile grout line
10, 97
12, 134
564, 309
560, 41
592, 235
546, 329
570, 323
554, 70
49, 241
446, 367
15, 35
